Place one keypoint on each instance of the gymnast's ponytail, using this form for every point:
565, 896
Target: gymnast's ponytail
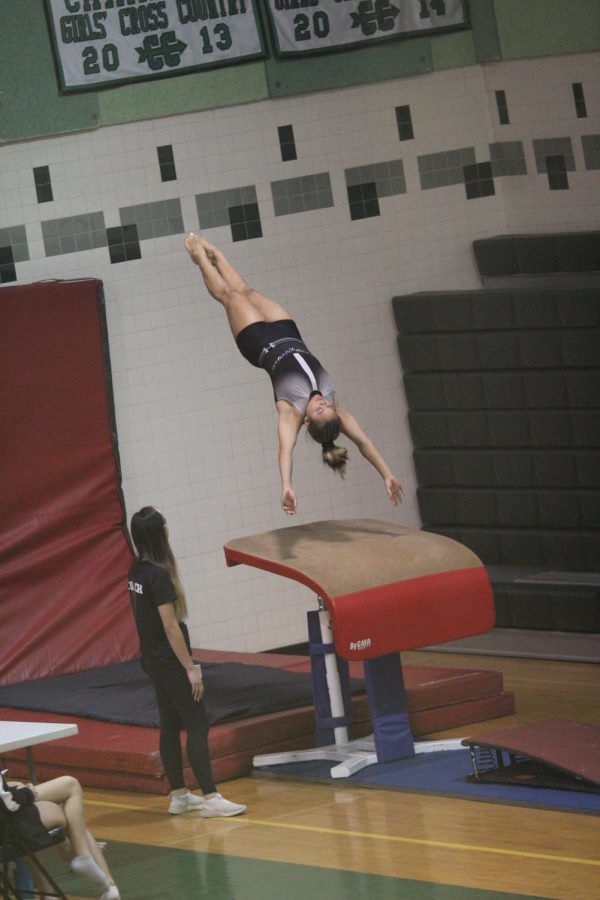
335, 457
325, 433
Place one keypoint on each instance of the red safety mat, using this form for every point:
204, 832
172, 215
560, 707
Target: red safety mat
63, 550
105, 754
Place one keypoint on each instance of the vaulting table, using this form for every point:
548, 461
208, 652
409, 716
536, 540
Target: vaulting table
381, 588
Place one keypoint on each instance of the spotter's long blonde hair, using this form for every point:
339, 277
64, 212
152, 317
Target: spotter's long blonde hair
149, 533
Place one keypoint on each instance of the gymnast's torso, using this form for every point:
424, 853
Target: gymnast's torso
295, 373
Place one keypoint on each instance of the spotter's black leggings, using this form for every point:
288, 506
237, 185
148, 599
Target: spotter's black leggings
178, 709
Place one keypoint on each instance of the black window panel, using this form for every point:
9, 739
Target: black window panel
44, 193
236, 215
123, 243
363, 200
286, 134
479, 181
557, 173
253, 229
43, 185
165, 153
166, 163
404, 122
579, 98
8, 270
245, 222
288, 151
287, 143
168, 172
502, 108
41, 175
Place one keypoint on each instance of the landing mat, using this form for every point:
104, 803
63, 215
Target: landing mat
123, 693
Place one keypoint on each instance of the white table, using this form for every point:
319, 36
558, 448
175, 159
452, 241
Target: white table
14, 735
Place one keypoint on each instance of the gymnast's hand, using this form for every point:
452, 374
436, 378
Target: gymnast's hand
195, 679
289, 501
394, 489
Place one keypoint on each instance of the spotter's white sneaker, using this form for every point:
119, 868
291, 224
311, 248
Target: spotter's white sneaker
219, 806
182, 803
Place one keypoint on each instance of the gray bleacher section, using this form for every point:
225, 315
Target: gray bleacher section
503, 387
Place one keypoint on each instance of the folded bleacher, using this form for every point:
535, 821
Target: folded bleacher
503, 388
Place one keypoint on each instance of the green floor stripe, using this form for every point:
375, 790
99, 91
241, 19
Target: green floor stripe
166, 873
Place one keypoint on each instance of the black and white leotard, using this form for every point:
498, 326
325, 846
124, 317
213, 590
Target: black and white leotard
278, 348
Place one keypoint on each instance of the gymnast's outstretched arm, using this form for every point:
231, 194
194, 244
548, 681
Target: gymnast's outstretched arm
288, 426
372, 454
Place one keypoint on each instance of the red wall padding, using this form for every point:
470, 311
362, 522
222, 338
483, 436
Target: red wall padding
63, 551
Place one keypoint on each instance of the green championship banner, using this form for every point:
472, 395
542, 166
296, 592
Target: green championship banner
99, 43
312, 26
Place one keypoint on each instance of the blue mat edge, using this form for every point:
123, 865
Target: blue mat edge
581, 802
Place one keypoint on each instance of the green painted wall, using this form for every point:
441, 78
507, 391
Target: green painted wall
454, 50
199, 90
393, 59
546, 27
31, 105
482, 16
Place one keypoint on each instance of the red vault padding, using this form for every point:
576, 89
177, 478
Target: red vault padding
64, 554
431, 609
386, 587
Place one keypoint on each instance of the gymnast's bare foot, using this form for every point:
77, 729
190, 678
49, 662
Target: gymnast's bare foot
227, 272
195, 246
231, 275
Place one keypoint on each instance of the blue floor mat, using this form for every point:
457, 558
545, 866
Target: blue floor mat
444, 773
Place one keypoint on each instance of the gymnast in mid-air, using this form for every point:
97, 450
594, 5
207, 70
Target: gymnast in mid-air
304, 393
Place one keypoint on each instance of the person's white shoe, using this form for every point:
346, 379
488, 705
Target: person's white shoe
219, 806
182, 803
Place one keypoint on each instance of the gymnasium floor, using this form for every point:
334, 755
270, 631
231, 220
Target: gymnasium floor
313, 841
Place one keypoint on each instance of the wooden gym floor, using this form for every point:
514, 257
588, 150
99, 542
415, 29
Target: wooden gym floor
321, 842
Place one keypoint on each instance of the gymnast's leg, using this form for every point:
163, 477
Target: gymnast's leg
271, 310
225, 269
240, 311
243, 304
